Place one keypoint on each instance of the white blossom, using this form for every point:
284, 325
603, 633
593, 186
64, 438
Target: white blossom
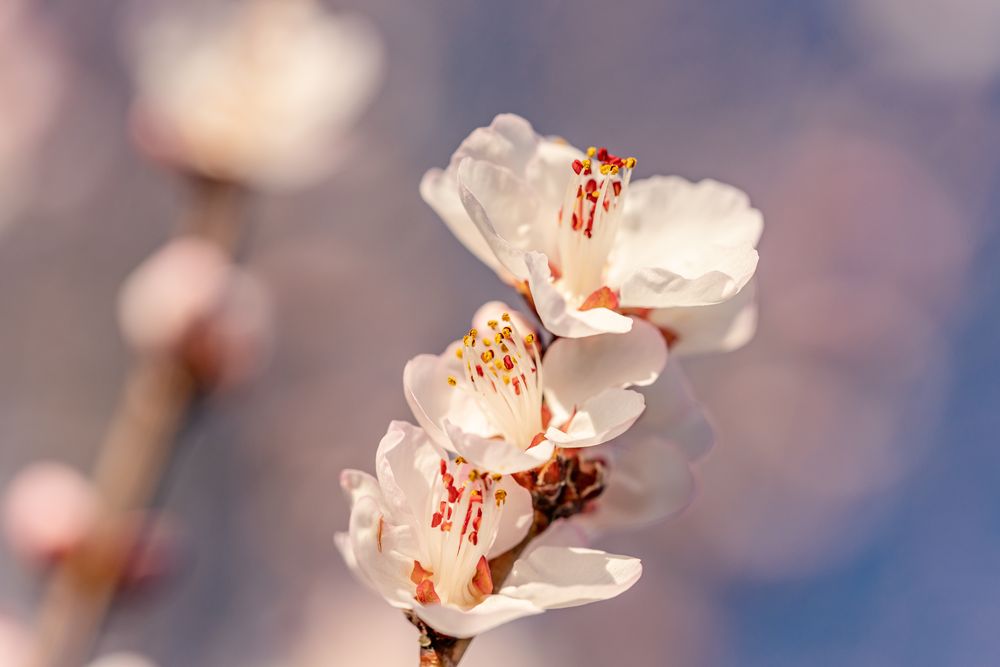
592, 246
422, 532
492, 399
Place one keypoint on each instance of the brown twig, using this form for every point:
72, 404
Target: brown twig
130, 464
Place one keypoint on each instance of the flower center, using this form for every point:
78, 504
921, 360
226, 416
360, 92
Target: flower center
589, 219
463, 516
504, 373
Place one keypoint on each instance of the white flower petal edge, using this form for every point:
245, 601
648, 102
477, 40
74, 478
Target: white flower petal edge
587, 241
489, 397
721, 327
421, 536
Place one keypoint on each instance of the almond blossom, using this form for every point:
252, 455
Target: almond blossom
590, 246
491, 398
423, 530
261, 91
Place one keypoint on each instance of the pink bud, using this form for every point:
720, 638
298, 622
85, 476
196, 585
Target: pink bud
189, 300
49, 508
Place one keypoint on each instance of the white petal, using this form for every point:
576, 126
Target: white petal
382, 551
560, 316
721, 327
497, 455
432, 400
600, 419
684, 244
439, 189
357, 484
502, 207
495, 610
555, 577
676, 416
405, 464
516, 519
650, 480
578, 369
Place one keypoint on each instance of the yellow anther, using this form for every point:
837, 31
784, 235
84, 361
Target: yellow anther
505, 317
452, 381
498, 363
473, 332
630, 162
468, 341
500, 496
459, 460
586, 164
506, 379
614, 169
529, 339
492, 324
503, 346
591, 152
473, 475
605, 169
458, 352
507, 331
496, 477
487, 342
487, 356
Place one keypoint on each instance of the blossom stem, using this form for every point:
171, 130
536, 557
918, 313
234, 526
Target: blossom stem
131, 461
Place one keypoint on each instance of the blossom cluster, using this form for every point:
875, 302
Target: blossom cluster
517, 453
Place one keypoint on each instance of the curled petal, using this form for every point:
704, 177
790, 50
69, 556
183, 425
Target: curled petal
497, 455
558, 314
600, 419
579, 369
553, 577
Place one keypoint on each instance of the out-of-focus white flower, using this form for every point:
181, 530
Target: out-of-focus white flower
189, 300
593, 246
422, 533
263, 92
491, 399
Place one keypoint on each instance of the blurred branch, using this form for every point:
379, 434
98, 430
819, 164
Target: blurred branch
131, 461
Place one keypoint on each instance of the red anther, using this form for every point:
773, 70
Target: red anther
419, 575
577, 166
483, 579
436, 520
426, 593
444, 467
446, 526
479, 370
607, 204
603, 297
453, 494
446, 479
591, 186
508, 363
478, 521
602, 154
617, 187
614, 160
517, 386
474, 538
579, 192
576, 222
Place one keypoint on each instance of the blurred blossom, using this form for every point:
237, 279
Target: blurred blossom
933, 41
122, 660
31, 72
49, 508
189, 299
15, 642
261, 91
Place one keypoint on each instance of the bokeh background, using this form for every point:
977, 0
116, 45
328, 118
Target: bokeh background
850, 513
